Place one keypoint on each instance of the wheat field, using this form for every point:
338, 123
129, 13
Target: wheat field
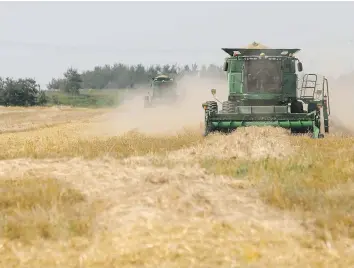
76, 192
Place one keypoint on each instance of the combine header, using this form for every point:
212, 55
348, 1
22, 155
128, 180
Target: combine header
263, 91
164, 91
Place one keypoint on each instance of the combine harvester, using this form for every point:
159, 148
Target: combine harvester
164, 91
263, 91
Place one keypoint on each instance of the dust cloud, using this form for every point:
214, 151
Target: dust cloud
342, 106
188, 112
162, 119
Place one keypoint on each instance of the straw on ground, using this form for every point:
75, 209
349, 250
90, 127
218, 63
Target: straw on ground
256, 197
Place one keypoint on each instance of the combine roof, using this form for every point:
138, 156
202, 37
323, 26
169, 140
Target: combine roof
257, 48
162, 76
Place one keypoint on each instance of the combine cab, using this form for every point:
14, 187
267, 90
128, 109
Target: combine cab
163, 91
263, 91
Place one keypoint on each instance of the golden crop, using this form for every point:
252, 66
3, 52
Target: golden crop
70, 198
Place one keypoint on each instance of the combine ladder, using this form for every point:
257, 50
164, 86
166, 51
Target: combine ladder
311, 90
308, 86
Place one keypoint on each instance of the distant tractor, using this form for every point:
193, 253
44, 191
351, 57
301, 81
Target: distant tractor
263, 91
164, 91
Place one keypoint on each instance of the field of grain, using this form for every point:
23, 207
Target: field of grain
256, 197
98, 188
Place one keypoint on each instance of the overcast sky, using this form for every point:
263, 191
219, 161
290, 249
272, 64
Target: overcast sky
42, 39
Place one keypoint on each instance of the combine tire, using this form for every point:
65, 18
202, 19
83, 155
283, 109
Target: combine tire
327, 126
297, 107
228, 107
212, 106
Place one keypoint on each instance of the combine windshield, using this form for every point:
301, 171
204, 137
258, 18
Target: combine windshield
164, 84
262, 76
163, 88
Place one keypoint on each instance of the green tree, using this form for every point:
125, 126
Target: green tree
56, 84
73, 81
21, 92
166, 69
42, 98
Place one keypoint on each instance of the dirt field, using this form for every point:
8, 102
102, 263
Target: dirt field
132, 188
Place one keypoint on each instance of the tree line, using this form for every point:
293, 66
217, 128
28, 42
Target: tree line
119, 76
27, 92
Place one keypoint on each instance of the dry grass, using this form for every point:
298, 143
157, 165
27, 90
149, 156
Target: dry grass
255, 198
250, 143
317, 180
65, 136
43, 208
14, 119
61, 142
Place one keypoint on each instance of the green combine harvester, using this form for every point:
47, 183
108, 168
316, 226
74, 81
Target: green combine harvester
263, 91
164, 91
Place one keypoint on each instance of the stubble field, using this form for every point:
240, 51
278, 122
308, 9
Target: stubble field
119, 188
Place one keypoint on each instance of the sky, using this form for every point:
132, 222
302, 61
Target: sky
42, 39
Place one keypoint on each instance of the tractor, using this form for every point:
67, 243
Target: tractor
164, 91
263, 90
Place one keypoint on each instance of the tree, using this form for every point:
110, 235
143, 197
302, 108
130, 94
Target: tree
173, 69
166, 69
194, 67
42, 98
21, 92
151, 72
73, 81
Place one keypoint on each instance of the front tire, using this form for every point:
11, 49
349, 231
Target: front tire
212, 108
228, 107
